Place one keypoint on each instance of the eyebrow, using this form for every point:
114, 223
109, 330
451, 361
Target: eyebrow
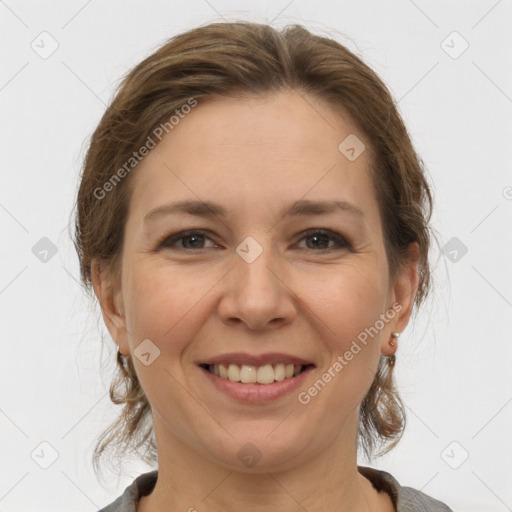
209, 209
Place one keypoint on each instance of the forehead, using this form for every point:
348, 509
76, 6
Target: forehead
244, 150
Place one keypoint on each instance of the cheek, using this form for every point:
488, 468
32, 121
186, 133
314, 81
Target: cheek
350, 310
352, 300
163, 303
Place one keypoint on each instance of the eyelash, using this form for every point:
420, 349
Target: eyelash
168, 241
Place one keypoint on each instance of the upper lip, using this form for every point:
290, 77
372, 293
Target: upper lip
241, 358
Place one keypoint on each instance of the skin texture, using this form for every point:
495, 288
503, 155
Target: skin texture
304, 296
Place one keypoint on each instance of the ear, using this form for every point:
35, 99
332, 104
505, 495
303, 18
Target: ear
112, 307
403, 292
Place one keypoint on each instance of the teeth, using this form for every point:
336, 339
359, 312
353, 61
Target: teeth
233, 373
247, 374
265, 374
279, 372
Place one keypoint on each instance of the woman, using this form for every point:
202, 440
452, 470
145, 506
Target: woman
253, 220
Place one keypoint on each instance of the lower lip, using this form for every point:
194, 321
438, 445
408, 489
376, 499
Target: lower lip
255, 392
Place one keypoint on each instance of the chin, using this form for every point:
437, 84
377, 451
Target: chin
261, 453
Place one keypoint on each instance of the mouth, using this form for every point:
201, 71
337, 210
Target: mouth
265, 374
255, 378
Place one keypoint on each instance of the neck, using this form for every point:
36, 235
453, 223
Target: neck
189, 481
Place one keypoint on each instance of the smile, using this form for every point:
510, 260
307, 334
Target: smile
251, 374
255, 392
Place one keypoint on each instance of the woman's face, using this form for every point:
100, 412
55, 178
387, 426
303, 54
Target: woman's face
277, 272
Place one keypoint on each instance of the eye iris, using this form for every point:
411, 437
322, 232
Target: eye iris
319, 236
191, 237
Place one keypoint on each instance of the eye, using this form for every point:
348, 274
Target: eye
196, 239
322, 237
187, 240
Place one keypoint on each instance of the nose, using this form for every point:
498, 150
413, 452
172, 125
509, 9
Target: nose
257, 294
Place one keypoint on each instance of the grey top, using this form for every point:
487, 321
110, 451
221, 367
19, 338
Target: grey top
405, 499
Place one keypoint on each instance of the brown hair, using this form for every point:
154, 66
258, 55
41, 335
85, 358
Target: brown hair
222, 60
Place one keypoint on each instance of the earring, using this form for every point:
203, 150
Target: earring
393, 342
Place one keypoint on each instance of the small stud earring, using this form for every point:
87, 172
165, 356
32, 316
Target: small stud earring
393, 342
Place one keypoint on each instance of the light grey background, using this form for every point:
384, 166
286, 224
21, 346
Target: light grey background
453, 365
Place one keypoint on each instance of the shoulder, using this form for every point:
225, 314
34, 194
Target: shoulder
412, 500
405, 499
127, 502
